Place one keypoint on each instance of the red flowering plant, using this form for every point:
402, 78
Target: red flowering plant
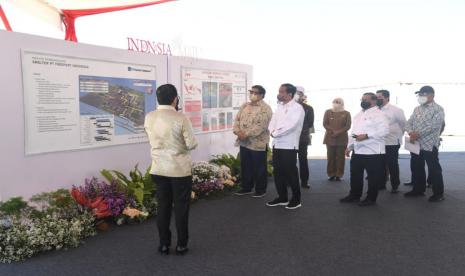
105, 200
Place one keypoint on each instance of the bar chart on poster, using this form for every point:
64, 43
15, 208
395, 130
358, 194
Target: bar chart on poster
211, 98
76, 103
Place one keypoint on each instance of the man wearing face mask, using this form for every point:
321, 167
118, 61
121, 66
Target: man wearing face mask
251, 128
285, 128
393, 140
304, 140
369, 129
425, 126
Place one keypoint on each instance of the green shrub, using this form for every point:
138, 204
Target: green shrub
13, 206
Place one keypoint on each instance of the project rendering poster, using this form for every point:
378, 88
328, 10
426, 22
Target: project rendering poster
76, 103
210, 97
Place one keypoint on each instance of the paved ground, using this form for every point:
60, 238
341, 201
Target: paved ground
241, 236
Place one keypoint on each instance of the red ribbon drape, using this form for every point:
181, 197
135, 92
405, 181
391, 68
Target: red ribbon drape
4, 19
69, 16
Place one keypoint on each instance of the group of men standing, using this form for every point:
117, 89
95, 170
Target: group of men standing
376, 136
289, 126
377, 133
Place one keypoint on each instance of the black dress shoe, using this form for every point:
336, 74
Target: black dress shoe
181, 250
164, 250
349, 199
366, 202
436, 198
408, 184
331, 178
414, 194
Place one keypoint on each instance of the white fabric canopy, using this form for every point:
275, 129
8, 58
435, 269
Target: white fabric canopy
51, 11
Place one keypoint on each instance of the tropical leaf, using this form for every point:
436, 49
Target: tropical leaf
139, 195
122, 177
107, 175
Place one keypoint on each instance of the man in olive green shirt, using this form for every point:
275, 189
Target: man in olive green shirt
251, 128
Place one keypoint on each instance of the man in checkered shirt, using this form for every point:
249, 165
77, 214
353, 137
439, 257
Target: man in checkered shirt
425, 126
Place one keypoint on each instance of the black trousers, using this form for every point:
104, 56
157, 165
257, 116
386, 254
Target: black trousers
253, 170
285, 173
428, 179
392, 165
173, 192
374, 165
303, 162
434, 170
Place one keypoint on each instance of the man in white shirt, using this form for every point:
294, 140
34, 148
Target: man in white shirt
285, 128
393, 140
369, 129
171, 140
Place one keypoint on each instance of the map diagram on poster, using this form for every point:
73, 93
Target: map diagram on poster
76, 103
114, 106
211, 98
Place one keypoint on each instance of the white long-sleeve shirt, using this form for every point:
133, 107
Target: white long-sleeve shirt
374, 123
286, 125
397, 123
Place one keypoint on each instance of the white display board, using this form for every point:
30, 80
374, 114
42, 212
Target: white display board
211, 97
211, 93
76, 103
49, 115
26, 175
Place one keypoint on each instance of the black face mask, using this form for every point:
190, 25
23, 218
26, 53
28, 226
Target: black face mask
365, 105
177, 105
379, 102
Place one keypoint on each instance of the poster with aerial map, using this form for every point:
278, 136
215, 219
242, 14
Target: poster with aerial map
77, 103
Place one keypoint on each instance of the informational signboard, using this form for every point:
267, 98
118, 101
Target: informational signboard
76, 103
211, 98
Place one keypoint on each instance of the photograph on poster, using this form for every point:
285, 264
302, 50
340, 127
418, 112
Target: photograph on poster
222, 120
229, 120
209, 94
225, 95
205, 122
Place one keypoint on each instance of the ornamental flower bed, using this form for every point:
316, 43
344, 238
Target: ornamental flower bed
49, 221
64, 218
210, 180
